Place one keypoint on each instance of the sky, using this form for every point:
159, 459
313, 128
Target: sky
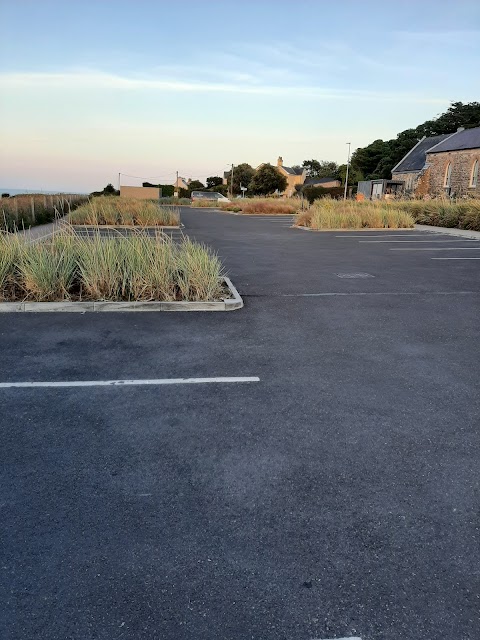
91, 89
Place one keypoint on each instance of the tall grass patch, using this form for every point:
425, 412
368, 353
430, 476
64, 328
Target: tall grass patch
114, 211
333, 214
25, 211
460, 214
265, 206
137, 267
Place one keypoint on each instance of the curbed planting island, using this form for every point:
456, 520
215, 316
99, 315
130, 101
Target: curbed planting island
115, 212
138, 272
334, 215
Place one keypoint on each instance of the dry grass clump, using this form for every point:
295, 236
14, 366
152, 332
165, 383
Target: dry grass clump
270, 206
125, 211
24, 211
137, 267
461, 214
205, 203
334, 214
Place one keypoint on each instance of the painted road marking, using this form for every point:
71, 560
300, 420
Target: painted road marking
380, 234
437, 249
454, 258
419, 241
349, 638
378, 293
124, 383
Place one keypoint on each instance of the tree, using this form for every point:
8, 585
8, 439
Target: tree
242, 175
109, 190
321, 168
312, 167
267, 180
214, 181
167, 190
354, 175
195, 185
220, 188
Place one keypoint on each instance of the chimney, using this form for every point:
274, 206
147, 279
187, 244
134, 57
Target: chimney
280, 161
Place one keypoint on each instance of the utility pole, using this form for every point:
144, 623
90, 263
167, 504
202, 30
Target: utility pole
119, 174
231, 182
346, 176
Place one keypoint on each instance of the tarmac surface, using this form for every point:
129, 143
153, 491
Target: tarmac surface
337, 497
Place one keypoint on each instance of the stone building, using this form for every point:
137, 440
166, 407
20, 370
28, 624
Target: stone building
442, 165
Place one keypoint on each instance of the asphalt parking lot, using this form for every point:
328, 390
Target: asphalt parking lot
335, 497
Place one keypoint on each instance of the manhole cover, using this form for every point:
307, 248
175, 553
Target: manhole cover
355, 275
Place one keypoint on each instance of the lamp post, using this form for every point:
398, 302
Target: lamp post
346, 176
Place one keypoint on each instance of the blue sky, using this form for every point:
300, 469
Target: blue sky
91, 89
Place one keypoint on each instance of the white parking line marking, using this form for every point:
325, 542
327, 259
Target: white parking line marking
418, 241
349, 638
124, 383
380, 234
437, 249
382, 293
454, 258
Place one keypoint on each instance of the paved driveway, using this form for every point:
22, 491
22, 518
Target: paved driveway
336, 497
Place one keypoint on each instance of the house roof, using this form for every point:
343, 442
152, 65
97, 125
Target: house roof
293, 172
312, 181
416, 157
466, 139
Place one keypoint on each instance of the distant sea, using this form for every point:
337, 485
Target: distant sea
16, 192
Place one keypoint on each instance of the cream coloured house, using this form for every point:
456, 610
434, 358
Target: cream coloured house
297, 176
181, 183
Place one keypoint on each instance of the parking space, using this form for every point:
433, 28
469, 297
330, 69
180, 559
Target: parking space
306, 467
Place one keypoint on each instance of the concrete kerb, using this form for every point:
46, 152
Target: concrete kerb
350, 230
450, 231
122, 227
226, 304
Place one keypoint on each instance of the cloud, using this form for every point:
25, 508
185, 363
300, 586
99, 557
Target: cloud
465, 37
96, 80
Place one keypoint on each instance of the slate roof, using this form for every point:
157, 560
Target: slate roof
293, 172
313, 181
416, 158
467, 139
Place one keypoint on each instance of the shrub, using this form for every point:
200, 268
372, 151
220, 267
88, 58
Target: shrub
314, 193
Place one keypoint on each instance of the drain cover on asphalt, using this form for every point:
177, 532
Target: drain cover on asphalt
354, 275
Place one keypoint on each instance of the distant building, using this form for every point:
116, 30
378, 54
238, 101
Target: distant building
297, 177
181, 183
140, 193
325, 183
447, 164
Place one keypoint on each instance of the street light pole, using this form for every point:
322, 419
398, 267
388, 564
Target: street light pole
346, 176
231, 183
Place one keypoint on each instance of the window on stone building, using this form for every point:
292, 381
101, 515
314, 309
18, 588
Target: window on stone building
474, 176
447, 182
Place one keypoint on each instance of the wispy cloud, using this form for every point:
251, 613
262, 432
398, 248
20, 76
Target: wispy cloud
95, 80
465, 37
